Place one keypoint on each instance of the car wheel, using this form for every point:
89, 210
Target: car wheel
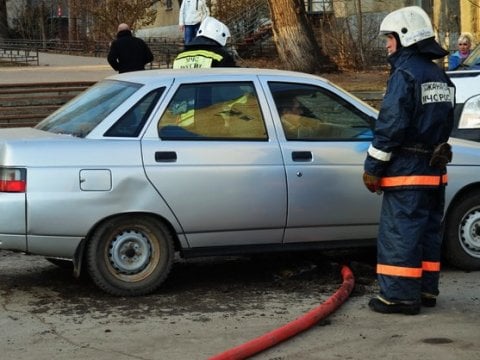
462, 240
130, 255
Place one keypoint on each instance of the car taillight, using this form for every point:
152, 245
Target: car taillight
13, 180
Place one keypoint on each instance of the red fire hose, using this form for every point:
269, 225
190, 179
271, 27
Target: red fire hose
298, 325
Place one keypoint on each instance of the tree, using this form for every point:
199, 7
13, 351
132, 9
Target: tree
294, 38
3, 20
32, 22
359, 15
105, 15
449, 22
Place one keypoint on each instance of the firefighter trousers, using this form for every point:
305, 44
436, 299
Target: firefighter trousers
409, 243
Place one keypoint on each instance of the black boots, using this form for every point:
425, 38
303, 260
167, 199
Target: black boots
383, 306
428, 300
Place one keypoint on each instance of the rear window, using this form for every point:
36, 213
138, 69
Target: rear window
83, 113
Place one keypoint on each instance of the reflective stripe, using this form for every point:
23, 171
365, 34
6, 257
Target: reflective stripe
186, 119
379, 154
436, 92
412, 180
431, 266
195, 59
399, 271
193, 62
204, 53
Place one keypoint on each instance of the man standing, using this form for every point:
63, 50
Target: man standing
208, 48
407, 162
128, 53
191, 14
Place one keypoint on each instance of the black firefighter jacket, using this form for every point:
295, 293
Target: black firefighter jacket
416, 114
203, 52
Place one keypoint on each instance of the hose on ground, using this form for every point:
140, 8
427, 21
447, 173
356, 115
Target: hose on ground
298, 325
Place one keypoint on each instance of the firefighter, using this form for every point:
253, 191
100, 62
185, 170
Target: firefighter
207, 49
406, 161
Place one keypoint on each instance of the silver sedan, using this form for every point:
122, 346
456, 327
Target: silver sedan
147, 165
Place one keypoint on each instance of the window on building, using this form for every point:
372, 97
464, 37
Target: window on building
318, 6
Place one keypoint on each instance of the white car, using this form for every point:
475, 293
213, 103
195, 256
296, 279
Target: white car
467, 110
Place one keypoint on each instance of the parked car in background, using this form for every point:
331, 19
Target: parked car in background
146, 165
467, 110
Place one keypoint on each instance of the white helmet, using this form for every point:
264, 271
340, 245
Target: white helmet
214, 29
411, 24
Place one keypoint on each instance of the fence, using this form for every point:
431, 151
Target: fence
25, 52
18, 55
27, 104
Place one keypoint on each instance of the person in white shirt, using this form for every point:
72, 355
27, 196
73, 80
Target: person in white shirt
192, 13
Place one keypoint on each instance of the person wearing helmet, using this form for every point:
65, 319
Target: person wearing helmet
406, 161
207, 49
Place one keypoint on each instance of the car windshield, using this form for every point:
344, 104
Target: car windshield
472, 61
83, 113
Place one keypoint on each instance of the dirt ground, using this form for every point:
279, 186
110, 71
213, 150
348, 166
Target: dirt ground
209, 305
234, 281
371, 80
367, 80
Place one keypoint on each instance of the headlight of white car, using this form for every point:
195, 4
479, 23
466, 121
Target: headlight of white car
470, 118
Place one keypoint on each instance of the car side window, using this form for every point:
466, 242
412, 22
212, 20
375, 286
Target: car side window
132, 122
309, 112
213, 111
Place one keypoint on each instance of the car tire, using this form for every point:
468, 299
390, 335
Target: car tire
130, 255
462, 233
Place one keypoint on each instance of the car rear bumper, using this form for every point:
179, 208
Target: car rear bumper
53, 246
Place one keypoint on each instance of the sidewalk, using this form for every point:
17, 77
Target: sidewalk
58, 68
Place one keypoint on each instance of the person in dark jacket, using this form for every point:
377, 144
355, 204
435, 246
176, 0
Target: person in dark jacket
127, 52
207, 49
406, 161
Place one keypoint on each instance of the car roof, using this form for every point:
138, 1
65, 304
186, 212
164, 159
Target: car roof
152, 76
466, 83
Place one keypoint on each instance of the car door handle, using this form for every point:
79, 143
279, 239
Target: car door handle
302, 156
165, 156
